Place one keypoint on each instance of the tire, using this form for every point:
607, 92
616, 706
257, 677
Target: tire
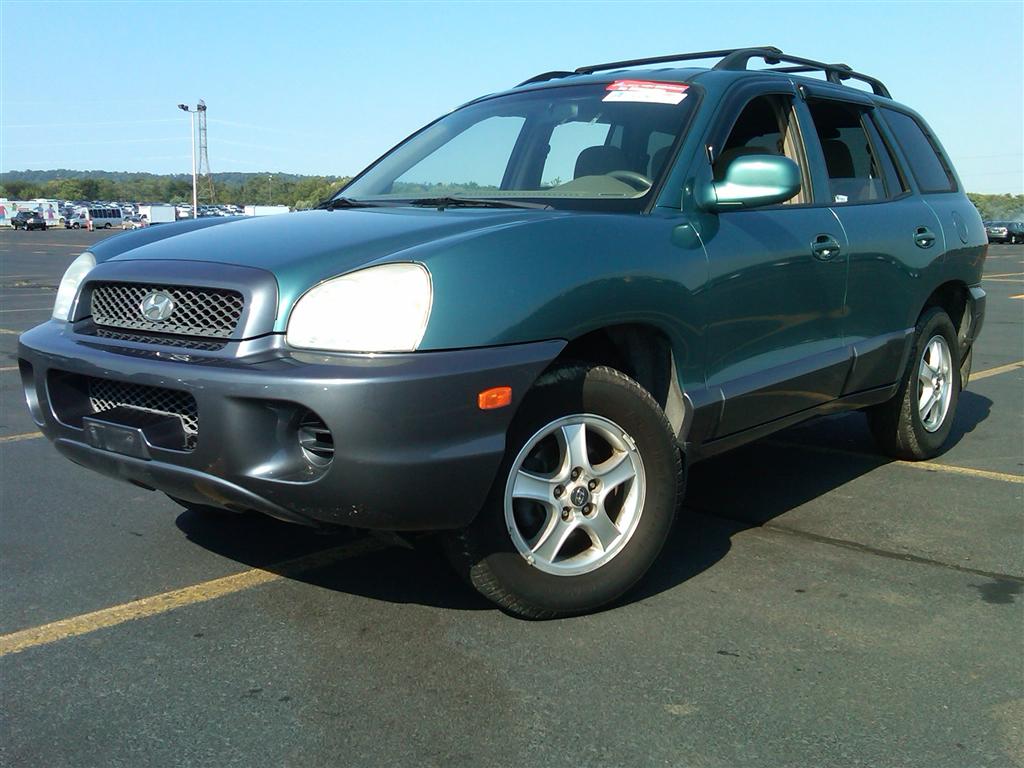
504, 553
899, 426
107, 225
76, 225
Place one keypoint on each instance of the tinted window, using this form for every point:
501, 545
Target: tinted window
926, 163
853, 171
895, 181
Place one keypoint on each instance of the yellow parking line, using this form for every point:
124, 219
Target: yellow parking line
155, 605
1018, 296
6, 332
996, 371
6, 368
928, 466
1004, 274
1006, 279
969, 471
19, 438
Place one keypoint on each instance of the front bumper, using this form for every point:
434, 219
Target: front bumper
412, 450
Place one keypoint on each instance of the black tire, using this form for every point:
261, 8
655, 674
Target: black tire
76, 225
107, 225
484, 552
897, 425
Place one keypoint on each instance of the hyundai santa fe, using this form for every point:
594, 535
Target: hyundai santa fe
521, 325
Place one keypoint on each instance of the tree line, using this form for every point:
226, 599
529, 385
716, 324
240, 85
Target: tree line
999, 207
236, 188
289, 189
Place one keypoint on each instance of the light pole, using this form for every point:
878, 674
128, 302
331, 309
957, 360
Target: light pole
270, 190
195, 178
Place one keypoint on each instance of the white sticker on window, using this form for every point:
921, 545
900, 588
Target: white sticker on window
841, 198
646, 91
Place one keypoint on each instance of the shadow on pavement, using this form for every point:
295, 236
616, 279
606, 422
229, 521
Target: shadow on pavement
743, 489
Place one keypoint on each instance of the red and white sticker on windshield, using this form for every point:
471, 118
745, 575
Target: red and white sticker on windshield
646, 91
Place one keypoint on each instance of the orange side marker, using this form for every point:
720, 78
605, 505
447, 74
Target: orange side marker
495, 397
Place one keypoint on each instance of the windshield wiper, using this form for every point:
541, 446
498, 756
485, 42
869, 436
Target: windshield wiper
347, 202
473, 202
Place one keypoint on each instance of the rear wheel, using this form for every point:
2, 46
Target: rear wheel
916, 422
584, 499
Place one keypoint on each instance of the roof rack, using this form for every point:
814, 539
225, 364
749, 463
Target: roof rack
736, 59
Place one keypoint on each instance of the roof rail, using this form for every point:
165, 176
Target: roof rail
834, 73
674, 57
736, 59
546, 76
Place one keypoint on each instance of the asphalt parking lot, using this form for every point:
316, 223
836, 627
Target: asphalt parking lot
819, 606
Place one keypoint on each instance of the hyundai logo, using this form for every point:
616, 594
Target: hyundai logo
156, 306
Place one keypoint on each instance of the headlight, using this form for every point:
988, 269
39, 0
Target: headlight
69, 284
379, 309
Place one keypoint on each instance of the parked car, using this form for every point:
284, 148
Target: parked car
1005, 231
521, 325
29, 220
133, 221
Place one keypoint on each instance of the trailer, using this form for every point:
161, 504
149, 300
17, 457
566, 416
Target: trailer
266, 210
158, 214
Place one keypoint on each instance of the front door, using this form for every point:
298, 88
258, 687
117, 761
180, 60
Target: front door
777, 278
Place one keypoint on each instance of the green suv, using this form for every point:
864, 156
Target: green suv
521, 325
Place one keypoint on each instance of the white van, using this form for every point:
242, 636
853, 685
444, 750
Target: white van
102, 218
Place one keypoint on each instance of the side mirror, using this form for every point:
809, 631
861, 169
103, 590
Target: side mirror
751, 181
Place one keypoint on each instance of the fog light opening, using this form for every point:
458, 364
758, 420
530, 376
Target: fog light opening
315, 439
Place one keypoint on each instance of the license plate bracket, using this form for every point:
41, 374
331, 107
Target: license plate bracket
131, 431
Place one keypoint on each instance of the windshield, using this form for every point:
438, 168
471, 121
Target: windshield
565, 146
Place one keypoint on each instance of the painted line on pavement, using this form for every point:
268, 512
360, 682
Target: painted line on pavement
1006, 274
15, 642
927, 466
19, 438
6, 368
29, 309
8, 332
996, 371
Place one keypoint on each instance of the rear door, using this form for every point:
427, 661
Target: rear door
774, 298
895, 240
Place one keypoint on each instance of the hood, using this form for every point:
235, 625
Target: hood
302, 249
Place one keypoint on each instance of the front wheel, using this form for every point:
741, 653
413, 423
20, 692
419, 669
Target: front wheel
916, 422
583, 501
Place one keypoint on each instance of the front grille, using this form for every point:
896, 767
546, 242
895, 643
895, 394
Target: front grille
207, 312
106, 395
159, 338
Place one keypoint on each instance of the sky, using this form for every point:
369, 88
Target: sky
326, 87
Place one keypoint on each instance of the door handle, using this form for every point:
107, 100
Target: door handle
924, 237
825, 247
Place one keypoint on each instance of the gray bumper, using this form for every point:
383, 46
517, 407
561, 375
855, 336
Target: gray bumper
412, 449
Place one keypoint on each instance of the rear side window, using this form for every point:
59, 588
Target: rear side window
854, 173
926, 162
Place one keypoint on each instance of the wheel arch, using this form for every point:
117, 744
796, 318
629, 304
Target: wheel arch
953, 297
644, 353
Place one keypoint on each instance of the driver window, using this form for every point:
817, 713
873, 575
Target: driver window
766, 126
